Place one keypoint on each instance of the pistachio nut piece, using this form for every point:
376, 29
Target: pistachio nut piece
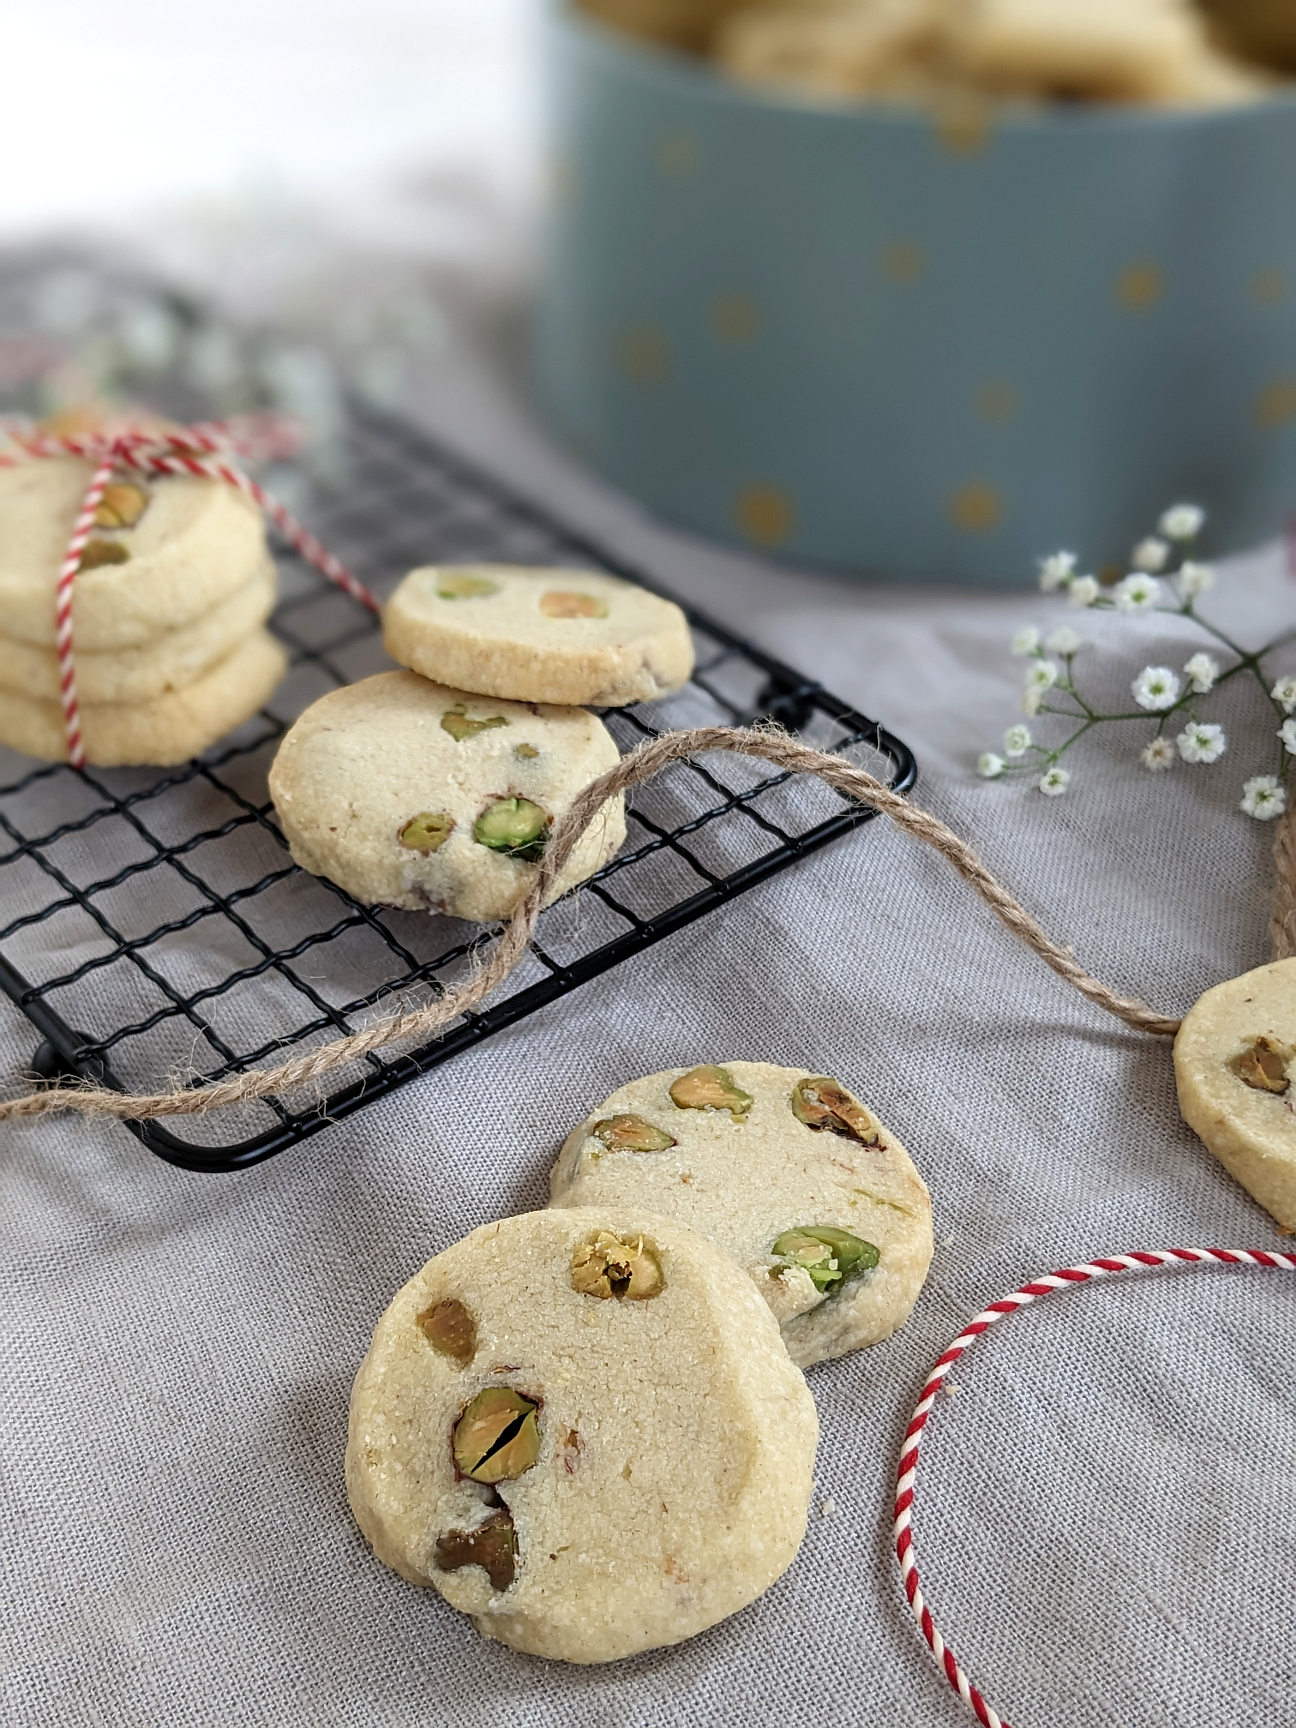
559, 604
492, 1546
463, 585
514, 826
121, 506
99, 552
829, 1255
527, 752
711, 1088
497, 1437
822, 1103
461, 725
609, 1266
427, 832
1264, 1066
631, 1134
451, 1329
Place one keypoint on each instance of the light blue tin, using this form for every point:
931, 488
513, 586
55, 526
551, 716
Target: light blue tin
867, 339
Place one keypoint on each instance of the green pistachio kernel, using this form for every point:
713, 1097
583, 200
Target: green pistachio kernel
710, 1088
830, 1256
460, 725
427, 832
463, 585
450, 1329
514, 826
527, 752
497, 1437
100, 552
1263, 1066
560, 603
822, 1103
492, 1546
631, 1134
610, 1266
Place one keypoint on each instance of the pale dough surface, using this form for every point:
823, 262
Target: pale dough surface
365, 760
166, 662
168, 729
196, 543
1252, 1132
743, 1182
677, 1440
503, 644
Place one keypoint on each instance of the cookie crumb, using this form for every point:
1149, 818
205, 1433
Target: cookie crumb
827, 1507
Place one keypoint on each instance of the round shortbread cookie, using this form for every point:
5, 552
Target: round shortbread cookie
1235, 1066
734, 1152
192, 544
406, 793
582, 1428
570, 636
167, 662
169, 729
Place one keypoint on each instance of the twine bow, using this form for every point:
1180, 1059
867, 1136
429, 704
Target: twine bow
210, 450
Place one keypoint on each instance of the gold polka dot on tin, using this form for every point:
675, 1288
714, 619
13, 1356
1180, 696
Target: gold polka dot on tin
997, 403
1141, 286
977, 507
643, 353
735, 318
765, 514
903, 261
677, 154
1268, 287
964, 128
1276, 405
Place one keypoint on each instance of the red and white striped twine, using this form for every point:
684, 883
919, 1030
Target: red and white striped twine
204, 451
1144, 1261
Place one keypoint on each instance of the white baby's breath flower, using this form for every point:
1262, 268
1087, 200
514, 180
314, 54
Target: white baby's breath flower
1284, 692
1156, 687
1056, 571
1194, 579
1064, 640
1159, 754
1182, 522
1026, 641
1054, 782
1202, 671
1083, 591
1017, 740
1151, 554
990, 766
1287, 732
1199, 742
1031, 700
1041, 675
1137, 593
1264, 798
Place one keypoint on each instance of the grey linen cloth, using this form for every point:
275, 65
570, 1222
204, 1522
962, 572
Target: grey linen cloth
1104, 1516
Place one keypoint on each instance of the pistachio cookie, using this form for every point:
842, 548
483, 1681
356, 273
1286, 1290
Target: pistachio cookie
406, 793
570, 636
1235, 1066
163, 553
167, 729
581, 1427
788, 1172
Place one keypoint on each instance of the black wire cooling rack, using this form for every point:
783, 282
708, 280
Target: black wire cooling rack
153, 927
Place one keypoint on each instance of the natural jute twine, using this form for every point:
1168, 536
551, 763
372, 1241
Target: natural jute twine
1282, 929
771, 746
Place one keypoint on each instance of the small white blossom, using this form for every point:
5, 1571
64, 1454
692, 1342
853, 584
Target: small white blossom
1200, 742
990, 766
1194, 579
1284, 693
1031, 700
1054, 782
1017, 740
1026, 641
1156, 687
1287, 732
1202, 672
1064, 640
1151, 554
1083, 591
1182, 522
1264, 798
1041, 675
1159, 754
1137, 593
1056, 571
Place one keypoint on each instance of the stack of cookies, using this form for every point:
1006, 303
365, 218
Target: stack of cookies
168, 613
435, 788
